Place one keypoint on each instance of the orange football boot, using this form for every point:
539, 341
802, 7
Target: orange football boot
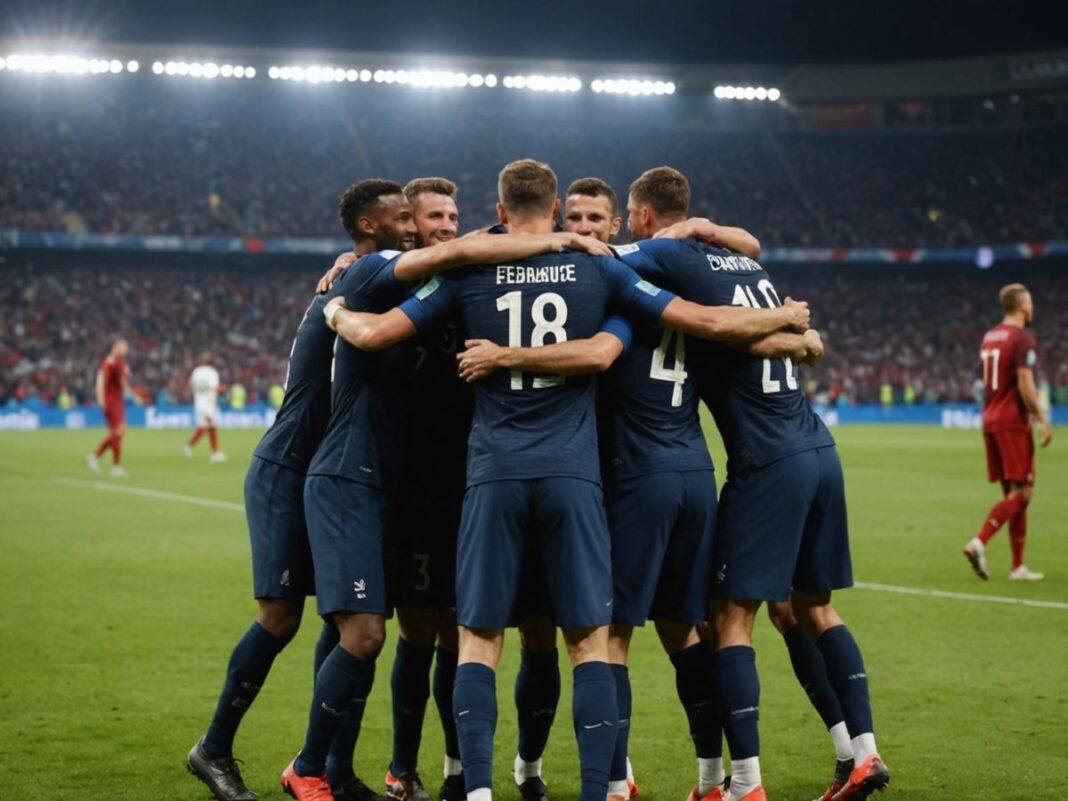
756, 794
633, 787
715, 794
305, 788
867, 777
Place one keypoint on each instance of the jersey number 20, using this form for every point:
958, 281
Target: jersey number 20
744, 296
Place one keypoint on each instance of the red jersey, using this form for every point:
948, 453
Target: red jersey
114, 369
1005, 349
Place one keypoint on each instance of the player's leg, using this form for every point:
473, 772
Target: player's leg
811, 673
537, 694
758, 534
488, 567
823, 565
410, 685
282, 577
445, 663
619, 636
217, 456
576, 551
198, 432
679, 604
1002, 465
345, 524
92, 460
1021, 472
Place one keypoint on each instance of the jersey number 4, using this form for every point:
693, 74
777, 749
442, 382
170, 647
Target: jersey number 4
512, 302
677, 374
744, 296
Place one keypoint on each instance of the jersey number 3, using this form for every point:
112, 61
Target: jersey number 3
512, 302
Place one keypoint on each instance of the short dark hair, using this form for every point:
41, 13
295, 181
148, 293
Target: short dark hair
1011, 296
527, 185
360, 198
664, 189
595, 187
438, 186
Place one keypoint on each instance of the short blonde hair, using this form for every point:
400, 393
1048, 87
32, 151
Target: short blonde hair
527, 186
1011, 297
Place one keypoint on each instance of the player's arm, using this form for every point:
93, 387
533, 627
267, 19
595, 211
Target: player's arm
1025, 380
575, 357
416, 265
734, 323
804, 348
366, 330
341, 263
100, 388
737, 239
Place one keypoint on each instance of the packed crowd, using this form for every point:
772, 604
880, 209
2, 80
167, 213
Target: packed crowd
917, 335
270, 160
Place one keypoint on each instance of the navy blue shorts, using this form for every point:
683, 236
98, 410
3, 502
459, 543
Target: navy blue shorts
422, 549
274, 508
662, 527
782, 526
346, 521
557, 522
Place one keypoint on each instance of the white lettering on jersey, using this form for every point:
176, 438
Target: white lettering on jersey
546, 274
732, 264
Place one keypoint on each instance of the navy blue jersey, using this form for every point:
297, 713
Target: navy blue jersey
648, 407
367, 390
535, 426
298, 428
758, 405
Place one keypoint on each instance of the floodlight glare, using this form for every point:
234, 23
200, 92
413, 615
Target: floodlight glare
774, 94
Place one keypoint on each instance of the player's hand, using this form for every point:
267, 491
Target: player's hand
586, 244
700, 227
481, 358
798, 311
1045, 434
331, 309
341, 263
814, 343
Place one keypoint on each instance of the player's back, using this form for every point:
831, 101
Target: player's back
758, 404
204, 380
113, 368
1005, 348
648, 408
528, 426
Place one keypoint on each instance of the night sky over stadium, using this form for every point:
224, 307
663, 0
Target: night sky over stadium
741, 31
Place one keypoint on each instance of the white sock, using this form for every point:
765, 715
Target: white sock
481, 794
619, 787
843, 748
976, 544
453, 767
630, 770
526, 770
709, 774
863, 747
745, 775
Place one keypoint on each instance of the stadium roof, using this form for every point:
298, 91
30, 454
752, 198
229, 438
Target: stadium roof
753, 31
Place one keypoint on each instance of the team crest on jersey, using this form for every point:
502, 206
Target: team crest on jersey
648, 288
623, 250
1032, 357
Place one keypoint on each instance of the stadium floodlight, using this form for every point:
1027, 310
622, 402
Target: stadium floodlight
491, 80
351, 75
133, 66
365, 75
543, 83
64, 64
635, 87
157, 67
774, 94
746, 93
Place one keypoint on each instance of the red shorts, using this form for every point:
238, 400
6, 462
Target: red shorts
115, 416
1010, 456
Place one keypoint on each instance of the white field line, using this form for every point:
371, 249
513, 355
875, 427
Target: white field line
193, 500
961, 596
211, 503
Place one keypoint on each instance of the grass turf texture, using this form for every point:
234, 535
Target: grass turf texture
120, 612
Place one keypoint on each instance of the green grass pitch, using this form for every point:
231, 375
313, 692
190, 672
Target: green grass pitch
119, 612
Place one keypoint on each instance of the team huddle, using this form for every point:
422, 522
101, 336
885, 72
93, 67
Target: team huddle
502, 430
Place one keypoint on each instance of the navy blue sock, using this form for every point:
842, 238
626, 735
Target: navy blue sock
811, 672
410, 683
342, 753
329, 637
343, 679
624, 703
537, 693
845, 667
694, 669
444, 679
474, 701
595, 715
250, 661
738, 692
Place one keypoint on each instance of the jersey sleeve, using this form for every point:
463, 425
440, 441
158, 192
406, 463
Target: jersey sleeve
380, 271
620, 328
632, 295
1025, 354
432, 302
647, 258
